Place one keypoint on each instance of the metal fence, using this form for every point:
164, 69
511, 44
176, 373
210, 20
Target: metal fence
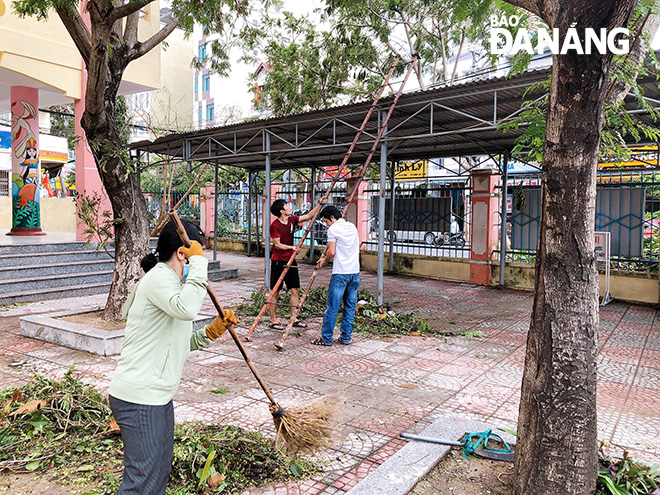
627, 206
234, 216
426, 218
189, 208
4, 182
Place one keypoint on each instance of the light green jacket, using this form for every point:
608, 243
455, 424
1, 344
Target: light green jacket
159, 336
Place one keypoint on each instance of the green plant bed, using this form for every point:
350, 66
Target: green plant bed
69, 437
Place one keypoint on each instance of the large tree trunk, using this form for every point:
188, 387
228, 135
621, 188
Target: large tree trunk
557, 435
129, 209
131, 239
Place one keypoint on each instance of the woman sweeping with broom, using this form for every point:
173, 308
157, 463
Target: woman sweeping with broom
159, 337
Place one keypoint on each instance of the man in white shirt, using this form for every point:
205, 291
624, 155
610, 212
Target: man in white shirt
344, 247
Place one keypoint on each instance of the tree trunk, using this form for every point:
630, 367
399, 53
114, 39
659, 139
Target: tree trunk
129, 209
131, 238
557, 435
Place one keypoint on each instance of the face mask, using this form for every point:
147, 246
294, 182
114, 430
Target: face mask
186, 271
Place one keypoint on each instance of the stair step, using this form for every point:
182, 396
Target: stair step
222, 274
19, 249
47, 258
30, 284
53, 293
14, 272
32, 248
43, 271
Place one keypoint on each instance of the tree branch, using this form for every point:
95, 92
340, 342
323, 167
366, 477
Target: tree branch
131, 29
140, 49
458, 57
536, 7
79, 33
639, 51
127, 9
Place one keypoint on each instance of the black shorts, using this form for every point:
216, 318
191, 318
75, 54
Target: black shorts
291, 279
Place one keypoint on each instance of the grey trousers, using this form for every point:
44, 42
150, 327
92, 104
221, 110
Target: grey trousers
148, 435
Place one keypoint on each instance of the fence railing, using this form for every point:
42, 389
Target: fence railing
429, 218
189, 208
627, 206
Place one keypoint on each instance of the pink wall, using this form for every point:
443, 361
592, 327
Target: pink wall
358, 211
88, 181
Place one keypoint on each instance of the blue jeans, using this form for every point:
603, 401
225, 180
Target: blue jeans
148, 435
342, 287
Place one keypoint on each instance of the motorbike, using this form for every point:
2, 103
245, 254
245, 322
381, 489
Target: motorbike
448, 239
454, 237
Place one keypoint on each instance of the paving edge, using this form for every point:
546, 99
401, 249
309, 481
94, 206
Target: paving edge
399, 474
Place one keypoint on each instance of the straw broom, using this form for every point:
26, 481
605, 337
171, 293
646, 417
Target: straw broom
299, 429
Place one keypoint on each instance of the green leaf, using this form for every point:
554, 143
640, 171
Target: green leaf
33, 466
207, 468
37, 421
295, 469
510, 432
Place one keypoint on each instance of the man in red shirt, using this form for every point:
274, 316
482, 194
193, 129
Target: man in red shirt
281, 235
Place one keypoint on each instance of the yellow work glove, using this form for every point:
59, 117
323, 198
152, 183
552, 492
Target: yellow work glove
219, 325
195, 249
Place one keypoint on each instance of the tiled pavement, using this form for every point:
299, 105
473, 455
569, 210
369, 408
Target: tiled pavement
390, 385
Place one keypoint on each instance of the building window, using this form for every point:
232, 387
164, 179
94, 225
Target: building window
196, 85
202, 53
206, 82
4, 182
199, 114
210, 113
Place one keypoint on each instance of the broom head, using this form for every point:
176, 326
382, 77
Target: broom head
306, 428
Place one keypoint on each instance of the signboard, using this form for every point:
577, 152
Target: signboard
602, 252
602, 246
5, 140
332, 171
411, 170
640, 156
509, 203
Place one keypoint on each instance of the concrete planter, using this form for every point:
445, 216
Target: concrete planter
82, 337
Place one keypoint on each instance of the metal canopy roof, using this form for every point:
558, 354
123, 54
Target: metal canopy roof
446, 122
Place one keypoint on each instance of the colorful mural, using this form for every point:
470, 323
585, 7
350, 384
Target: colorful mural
25, 179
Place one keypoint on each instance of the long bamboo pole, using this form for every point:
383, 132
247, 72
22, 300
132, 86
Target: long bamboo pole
310, 224
363, 171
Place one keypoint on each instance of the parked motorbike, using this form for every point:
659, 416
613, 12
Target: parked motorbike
448, 239
452, 238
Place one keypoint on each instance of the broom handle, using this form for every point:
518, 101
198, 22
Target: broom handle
214, 299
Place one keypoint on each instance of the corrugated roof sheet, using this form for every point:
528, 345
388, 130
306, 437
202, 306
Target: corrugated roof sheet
442, 122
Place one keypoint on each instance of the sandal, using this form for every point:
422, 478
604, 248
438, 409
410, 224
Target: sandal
299, 324
321, 342
276, 326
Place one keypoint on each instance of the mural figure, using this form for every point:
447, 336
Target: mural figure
25, 186
21, 131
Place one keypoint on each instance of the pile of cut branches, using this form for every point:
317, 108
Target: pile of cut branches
626, 477
370, 319
313, 308
64, 430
